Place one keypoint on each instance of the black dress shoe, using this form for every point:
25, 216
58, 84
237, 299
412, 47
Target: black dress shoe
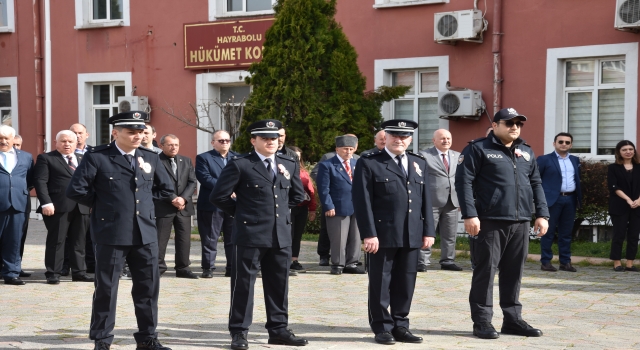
239, 342
82, 278
336, 270
287, 337
485, 330
227, 273
353, 270
24, 274
450, 267
567, 267
422, 268
186, 274
65, 271
100, 345
385, 338
14, 281
151, 344
402, 334
618, 269
520, 327
53, 280
632, 269
207, 273
548, 267
324, 261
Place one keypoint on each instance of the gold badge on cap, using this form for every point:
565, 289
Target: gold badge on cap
402, 124
137, 115
271, 124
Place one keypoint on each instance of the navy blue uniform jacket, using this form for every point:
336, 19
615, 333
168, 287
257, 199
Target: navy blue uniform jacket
551, 175
261, 205
118, 195
209, 165
389, 206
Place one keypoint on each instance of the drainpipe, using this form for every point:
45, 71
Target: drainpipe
37, 53
497, 59
47, 76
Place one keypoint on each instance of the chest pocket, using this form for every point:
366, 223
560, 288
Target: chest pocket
285, 186
109, 181
147, 185
385, 185
255, 189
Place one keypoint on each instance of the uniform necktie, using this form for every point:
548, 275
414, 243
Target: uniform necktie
174, 166
399, 157
129, 159
446, 162
70, 162
270, 168
348, 168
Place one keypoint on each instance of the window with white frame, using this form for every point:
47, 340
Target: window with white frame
6, 16
420, 103
5, 105
232, 98
594, 102
229, 8
104, 105
101, 13
9, 102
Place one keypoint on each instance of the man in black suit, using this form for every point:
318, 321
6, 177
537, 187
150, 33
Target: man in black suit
178, 210
395, 217
119, 181
266, 186
64, 218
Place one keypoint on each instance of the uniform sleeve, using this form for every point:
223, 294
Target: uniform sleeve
428, 229
225, 186
465, 175
296, 194
362, 193
539, 198
41, 178
80, 188
324, 184
542, 165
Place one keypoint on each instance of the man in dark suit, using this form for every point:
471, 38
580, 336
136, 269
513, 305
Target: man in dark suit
379, 141
395, 218
266, 186
119, 181
64, 218
15, 180
17, 144
334, 187
211, 220
560, 174
178, 210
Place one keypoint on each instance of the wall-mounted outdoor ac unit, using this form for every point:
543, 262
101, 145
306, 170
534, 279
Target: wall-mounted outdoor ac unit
133, 103
458, 104
464, 25
628, 15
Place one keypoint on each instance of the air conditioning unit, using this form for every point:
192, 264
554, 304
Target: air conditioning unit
458, 104
464, 25
627, 15
133, 103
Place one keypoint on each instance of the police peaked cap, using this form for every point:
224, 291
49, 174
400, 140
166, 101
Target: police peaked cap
400, 127
267, 128
130, 120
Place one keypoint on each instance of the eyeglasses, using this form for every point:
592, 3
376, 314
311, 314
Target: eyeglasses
224, 141
511, 123
562, 142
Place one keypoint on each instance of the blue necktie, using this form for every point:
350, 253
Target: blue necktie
270, 168
399, 157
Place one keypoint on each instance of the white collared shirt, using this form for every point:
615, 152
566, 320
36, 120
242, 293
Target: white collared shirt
74, 159
405, 161
10, 159
343, 160
273, 161
446, 153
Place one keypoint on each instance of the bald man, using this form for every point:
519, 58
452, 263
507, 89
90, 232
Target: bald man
379, 142
442, 163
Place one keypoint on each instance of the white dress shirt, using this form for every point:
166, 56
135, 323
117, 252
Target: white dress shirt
10, 159
405, 161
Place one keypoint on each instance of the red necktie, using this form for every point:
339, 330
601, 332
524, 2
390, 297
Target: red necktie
446, 163
348, 168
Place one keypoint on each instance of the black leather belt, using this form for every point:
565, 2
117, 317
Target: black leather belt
567, 193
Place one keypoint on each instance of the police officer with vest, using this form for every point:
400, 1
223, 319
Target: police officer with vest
499, 188
116, 181
395, 218
266, 186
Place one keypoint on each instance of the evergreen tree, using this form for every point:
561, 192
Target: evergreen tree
309, 79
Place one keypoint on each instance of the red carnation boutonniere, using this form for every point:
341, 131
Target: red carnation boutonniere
284, 171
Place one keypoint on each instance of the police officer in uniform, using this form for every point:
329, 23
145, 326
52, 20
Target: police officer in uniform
266, 186
395, 218
497, 182
116, 181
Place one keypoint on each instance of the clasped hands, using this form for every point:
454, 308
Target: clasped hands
633, 204
372, 244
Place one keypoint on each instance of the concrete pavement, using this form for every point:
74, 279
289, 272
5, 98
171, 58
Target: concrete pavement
594, 308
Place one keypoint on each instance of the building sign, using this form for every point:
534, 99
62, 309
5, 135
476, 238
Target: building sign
224, 44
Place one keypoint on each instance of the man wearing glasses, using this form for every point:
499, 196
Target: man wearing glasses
560, 174
497, 182
211, 220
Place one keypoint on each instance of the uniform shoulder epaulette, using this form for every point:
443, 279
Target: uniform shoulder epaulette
419, 155
243, 155
478, 140
284, 156
371, 154
100, 148
147, 149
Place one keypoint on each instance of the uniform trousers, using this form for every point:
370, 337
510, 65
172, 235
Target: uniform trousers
299, 216
628, 226
72, 227
275, 283
345, 240
143, 263
504, 245
445, 220
210, 225
182, 228
11, 222
392, 280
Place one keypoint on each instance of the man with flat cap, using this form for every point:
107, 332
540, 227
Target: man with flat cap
395, 218
266, 186
499, 189
116, 181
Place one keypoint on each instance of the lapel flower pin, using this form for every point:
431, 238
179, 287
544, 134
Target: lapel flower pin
146, 167
284, 171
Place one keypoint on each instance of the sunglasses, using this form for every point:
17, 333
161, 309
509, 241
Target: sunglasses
224, 140
562, 142
511, 123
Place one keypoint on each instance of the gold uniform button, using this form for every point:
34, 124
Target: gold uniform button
138, 201
276, 196
408, 182
110, 178
274, 186
277, 215
276, 205
245, 222
136, 190
409, 210
409, 191
256, 185
409, 200
136, 178
102, 219
137, 213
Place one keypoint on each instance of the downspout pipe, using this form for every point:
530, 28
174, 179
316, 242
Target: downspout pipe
47, 71
37, 53
497, 56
